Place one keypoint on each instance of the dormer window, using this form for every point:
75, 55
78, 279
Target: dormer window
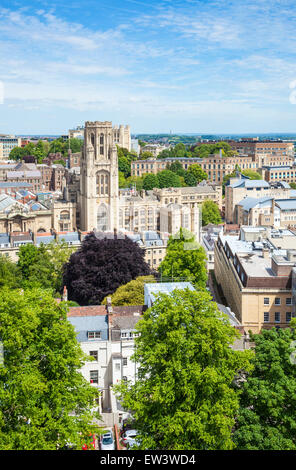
94, 335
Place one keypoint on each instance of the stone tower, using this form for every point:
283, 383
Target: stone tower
99, 178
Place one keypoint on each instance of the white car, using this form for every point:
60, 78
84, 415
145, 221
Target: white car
129, 438
107, 441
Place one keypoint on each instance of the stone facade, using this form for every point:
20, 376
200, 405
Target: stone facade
99, 178
103, 207
122, 136
240, 188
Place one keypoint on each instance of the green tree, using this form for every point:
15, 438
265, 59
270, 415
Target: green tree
184, 397
266, 418
180, 150
45, 402
150, 181
292, 185
253, 175
204, 150
43, 266
198, 172
17, 153
9, 274
60, 162
131, 293
210, 213
177, 168
185, 259
190, 179
137, 180
121, 180
75, 145
56, 146
40, 151
59, 254
146, 155
124, 166
28, 256
168, 179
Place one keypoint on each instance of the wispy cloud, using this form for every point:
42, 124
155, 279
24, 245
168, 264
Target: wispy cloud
189, 61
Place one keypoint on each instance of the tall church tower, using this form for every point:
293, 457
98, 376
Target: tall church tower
99, 179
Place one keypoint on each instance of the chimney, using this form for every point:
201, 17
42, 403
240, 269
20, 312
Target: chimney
109, 313
265, 253
65, 294
272, 206
109, 306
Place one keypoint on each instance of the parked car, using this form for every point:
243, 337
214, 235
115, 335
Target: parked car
129, 438
107, 441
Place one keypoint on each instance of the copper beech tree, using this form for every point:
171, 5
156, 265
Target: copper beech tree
101, 265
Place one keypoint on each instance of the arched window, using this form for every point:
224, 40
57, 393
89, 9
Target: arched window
102, 144
64, 215
102, 183
92, 139
102, 218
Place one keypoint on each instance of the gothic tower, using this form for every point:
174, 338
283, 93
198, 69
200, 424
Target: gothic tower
99, 178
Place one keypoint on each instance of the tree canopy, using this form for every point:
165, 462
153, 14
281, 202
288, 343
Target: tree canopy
185, 259
204, 150
100, 266
45, 402
42, 148
184, 396
9, 274
210, 213
150, 181
266, 418
168, 179
197, 171
41, 266
131, 293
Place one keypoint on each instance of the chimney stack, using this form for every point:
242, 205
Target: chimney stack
265, 253
109, 306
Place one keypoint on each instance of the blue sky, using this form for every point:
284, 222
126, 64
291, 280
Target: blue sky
186, 66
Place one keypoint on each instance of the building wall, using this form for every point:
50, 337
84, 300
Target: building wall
64, 216
99, 201
248, 302
234, 195
17, 222
8, 143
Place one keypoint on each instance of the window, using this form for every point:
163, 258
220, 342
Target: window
288, 317
277, 317
266, 300
94, 354
277, 301
266, 317
94, 335
102, 186
102, 218
289, 301
124, 361
94, 376
64, 215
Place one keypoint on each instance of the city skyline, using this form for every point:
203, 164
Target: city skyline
191, 67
